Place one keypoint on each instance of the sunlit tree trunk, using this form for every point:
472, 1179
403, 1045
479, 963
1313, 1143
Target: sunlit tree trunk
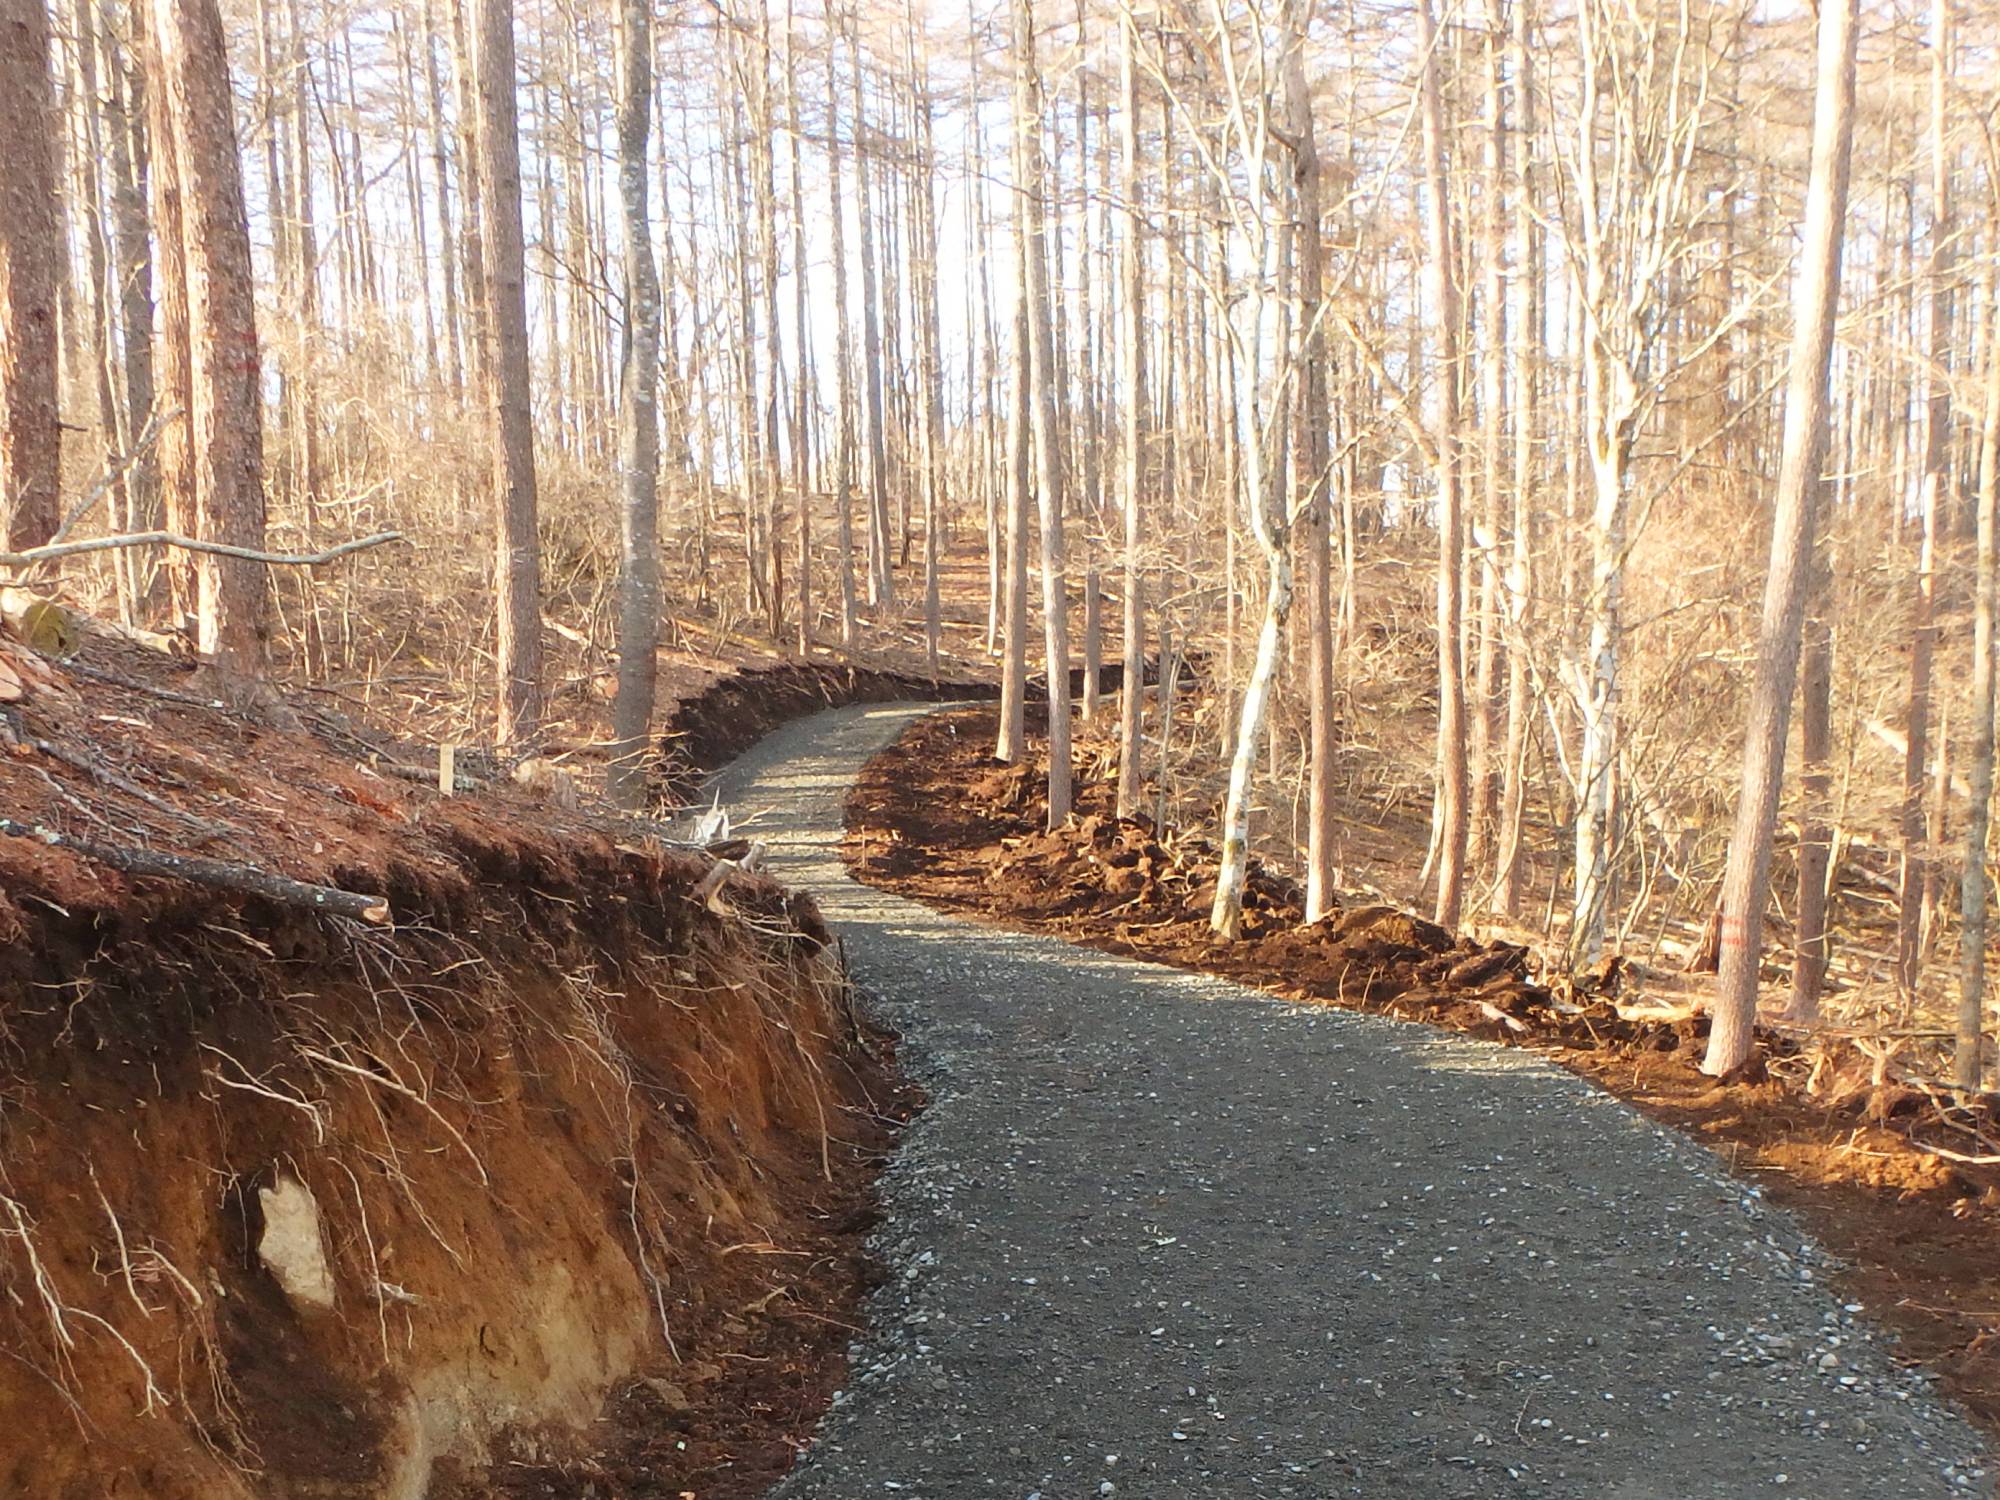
1809, 951
1529, 332
1020, 483
843, 350
1968, 1066
1029, 196
1441, 300
881, 578
225, 405
1913, 875
1312, 484
517, 564
638, 422
1133, 333
1815, 300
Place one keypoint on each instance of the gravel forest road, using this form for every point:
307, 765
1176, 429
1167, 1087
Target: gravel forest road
1158, 1235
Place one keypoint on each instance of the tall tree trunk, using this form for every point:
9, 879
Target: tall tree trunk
174, 391
1441, 297
1809, 952
930, 377
1486, 727
638, 423
133, 258
1312, 484
518, 560
31, 266
1529, 332
881, 580
1020, 458
1913, 876
1816, 296
1132, 475
843, 355
1968, 1067
454, 342
226, 406
802, 424
1030, 187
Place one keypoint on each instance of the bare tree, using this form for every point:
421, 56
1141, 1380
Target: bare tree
1132, 478
638, 421
1913, 882
1312, 477
1644, 92
1452, 819
1815, 299
517, 572
1968, 1063
30, 271
225, 404
1029, 190
1249, 135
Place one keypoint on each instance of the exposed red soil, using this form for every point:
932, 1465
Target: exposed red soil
935, 818
569, 1095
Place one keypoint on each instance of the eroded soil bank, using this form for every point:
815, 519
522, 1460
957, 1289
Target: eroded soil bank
937, 819
555, 1184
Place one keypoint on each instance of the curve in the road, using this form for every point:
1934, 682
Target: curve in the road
1158, 1235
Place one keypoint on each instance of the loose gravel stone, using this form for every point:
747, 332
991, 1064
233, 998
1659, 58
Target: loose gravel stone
1160, 1227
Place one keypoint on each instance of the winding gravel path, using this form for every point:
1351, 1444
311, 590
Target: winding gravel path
1158, 1235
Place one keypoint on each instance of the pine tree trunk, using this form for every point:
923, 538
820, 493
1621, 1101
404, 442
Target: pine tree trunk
1913, 874
1968, 1067
1441, 297
517, 564
31, 266
1486, 727
225, 407
881, 580
1809, 952
638, 423
133, 261
843, 352
1312, 483
1529, 332
1020, 457
1030, 182
1816, 296
1132, 475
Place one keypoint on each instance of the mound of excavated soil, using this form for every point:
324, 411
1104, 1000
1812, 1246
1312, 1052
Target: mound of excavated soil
555, 1184
1902, 1184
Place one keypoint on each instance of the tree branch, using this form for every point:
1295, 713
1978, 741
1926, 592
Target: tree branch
214, 873
190, 544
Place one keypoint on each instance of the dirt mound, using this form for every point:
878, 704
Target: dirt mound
1118, 883
1902, 1182
553, 1184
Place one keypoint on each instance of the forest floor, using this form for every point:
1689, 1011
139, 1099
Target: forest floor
1875, 1171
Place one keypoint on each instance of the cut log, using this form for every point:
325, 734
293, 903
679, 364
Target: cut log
214, 873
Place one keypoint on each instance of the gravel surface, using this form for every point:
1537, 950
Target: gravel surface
1158, 1235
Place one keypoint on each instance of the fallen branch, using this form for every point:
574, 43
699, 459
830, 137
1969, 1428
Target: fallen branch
192, 544
214, 873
